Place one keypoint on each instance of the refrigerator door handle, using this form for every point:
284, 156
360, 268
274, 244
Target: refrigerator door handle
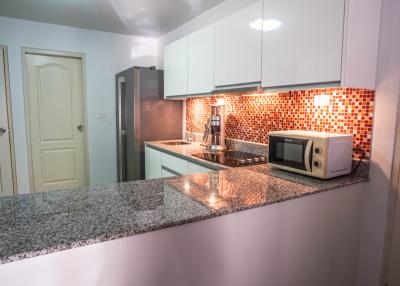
121, 132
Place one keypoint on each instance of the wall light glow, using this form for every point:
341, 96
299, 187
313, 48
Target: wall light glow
266, 25
322, 100
212, 199
187, 186
220, 101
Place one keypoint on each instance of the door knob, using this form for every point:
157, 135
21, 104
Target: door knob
2, 130
80, 128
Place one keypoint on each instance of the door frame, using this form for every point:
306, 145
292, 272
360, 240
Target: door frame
10, 118
63, 54
393, 209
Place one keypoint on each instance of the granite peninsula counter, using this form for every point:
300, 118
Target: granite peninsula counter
41, 223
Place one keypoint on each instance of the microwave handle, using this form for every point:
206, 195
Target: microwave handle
307, 155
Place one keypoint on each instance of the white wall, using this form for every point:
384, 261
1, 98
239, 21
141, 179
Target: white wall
386, 108
210, 16
106, 54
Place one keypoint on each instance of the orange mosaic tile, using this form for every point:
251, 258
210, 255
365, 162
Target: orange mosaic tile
250, 117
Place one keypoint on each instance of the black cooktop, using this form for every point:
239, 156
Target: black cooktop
231, 158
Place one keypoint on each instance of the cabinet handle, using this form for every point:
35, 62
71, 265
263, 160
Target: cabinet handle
171, 171
80, 128
2, 130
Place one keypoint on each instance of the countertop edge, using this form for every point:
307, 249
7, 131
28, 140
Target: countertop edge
214, 214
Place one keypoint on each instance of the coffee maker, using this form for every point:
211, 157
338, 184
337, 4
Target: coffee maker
214, 134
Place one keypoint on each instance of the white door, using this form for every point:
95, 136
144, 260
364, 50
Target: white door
6, 173
55, 122
238, 47
302, 41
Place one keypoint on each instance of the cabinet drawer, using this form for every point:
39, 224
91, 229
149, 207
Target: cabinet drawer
196, 168
166, 173
178, 165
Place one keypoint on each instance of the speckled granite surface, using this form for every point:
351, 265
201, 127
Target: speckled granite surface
185, 152
248, 147
361, 175
41, 223
235, 144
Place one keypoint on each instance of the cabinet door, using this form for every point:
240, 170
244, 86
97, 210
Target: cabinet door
302, 41
195, 169
201, 61
238, 47
175, 68
152, 163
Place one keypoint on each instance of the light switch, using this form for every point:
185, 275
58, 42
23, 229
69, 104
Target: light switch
101, 114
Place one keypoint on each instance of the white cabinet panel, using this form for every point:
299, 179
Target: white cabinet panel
152, 163
302, 41
238, 47
175, 68
167, 174
178, 165
195, 168
201, 61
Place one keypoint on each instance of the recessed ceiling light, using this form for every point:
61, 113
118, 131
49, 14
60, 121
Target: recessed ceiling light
266, 25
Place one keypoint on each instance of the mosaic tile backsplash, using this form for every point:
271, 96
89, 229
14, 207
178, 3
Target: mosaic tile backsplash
250, 117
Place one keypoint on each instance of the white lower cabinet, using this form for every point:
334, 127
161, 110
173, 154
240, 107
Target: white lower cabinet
152, 163
162, 165
177, 165
167, 173
195, 168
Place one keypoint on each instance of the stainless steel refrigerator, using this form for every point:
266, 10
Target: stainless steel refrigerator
142, 115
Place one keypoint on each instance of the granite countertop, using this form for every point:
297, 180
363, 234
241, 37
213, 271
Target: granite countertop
41, 223
185, 152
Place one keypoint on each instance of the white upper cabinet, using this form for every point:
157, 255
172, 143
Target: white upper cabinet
238, 47
281, 45
176, 68
201, 61
302, 42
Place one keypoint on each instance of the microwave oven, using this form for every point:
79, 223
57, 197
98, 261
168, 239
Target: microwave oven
316, 154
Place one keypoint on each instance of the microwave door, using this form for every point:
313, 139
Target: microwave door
290, 152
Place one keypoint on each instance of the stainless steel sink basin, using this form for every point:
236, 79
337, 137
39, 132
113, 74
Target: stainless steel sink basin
175, 143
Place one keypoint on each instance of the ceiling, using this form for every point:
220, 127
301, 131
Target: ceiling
149, 18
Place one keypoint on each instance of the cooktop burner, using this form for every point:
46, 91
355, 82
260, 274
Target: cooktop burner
232, 158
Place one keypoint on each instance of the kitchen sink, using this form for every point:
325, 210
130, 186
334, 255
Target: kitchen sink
175, 143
